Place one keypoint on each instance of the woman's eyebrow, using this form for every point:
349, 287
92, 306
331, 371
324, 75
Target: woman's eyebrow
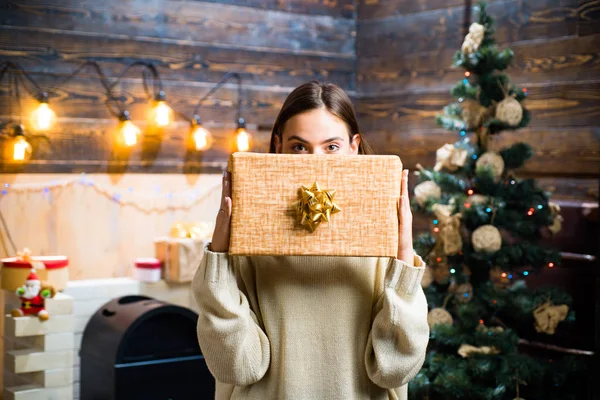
298, 138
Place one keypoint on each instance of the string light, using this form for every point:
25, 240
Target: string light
43, 118
435, 222
21, 147
465, 81
504, 274
474, 156
242, 137
510, 276
530, 212
470, 192
467, 74
525, 273
161, 114
129, 131
480, 321
436, 229
201, 137
488, 209
463, 133
540, 206
439, 259
467, 205
551, 265
452, 271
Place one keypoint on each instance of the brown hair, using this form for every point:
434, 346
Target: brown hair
313, 95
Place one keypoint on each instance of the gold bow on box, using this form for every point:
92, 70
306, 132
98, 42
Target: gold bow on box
315, 206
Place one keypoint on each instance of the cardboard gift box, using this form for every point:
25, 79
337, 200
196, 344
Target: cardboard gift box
180, 257
50, 269
287, 204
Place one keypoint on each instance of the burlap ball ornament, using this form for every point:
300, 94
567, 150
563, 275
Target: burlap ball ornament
547, 317
509, 111
558, 219
473, 39
439, 316
491, 160
466, 350
477, 199
473, 113
426, 190
450, 157
486, 239
499, 278
441, 274
463, 293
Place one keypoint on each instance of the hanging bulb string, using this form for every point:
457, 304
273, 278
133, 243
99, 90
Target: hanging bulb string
219, 84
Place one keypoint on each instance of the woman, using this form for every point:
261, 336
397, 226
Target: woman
312, 327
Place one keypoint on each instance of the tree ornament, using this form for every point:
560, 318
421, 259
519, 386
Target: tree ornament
499, 278
449, 225
450, 157
491, 160
493, 329
426, 190
32, 295
463, 293
466, 350
558, 219
437, 316
486, 239
509, 111
548, 316
473, 113
441, 274
427, 278
473, 39
477, 199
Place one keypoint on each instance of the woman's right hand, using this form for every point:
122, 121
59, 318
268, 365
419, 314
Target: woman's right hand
220, 239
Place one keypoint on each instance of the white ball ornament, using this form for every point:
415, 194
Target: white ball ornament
486, 239
426, 190
492, 160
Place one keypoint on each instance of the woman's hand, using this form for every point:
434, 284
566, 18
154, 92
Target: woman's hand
220, 239
405, 239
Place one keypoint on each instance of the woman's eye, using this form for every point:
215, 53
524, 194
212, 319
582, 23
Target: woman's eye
298, 148
333, 147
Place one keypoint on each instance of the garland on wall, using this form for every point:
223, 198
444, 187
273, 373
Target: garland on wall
148, 202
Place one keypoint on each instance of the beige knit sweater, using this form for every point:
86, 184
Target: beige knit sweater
311, 327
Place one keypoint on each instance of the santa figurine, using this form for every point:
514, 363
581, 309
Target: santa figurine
32, 296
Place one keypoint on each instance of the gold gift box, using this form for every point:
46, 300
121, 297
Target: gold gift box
266, 189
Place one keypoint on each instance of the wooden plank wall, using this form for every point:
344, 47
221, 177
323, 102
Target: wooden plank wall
274, 45
404, 73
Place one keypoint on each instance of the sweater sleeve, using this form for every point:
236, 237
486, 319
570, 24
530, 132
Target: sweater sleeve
397, 343
236, 349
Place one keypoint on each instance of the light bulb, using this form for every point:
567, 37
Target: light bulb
162, 114
43, 117
21, 148
202, 138
242, 139
129, 132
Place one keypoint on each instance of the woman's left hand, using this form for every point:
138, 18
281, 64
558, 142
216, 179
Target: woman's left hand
405, 237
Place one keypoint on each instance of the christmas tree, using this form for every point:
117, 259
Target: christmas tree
486, 225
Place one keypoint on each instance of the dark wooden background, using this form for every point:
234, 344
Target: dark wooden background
392, 56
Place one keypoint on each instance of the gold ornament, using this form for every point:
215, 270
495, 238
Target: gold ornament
492, 160
509, 111
437, 316
473, 113
547, 317
466, 350
427, 278
463, 293
473, 39
426, 190
449, 228
558, 219
499, 278
450, 157
477, 199
24, 255
486, 239
315, 206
